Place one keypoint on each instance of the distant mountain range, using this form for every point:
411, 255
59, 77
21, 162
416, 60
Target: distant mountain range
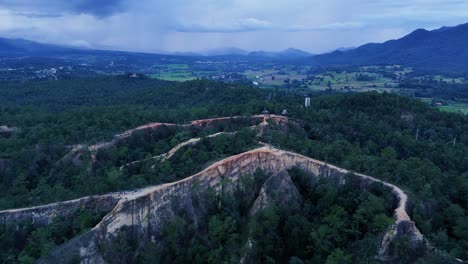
224, 52
290, 53
286, 54
21, 47
341, 49
444, 49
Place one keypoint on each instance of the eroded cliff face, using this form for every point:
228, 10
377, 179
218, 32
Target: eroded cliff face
146, 210
44, 215
278, 189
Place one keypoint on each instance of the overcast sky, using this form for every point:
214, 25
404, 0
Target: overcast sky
196, 25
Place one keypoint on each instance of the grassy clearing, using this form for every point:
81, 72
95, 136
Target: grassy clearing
271, 77
177, 66
333, 79
338, 80
452, 107
174, 72
178, 77
455, 108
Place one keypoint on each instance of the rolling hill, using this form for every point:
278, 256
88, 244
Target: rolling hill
290, 53
443, 49
22, 47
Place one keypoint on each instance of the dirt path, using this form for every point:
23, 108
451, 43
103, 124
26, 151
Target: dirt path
192, 141
284, 159
400, 211
265, 157
171, 152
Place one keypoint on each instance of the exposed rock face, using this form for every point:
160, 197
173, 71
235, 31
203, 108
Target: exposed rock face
278, 189
146, 210
46, 213
400, 229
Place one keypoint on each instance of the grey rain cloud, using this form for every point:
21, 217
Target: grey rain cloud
241, 25
51, 8
194, 25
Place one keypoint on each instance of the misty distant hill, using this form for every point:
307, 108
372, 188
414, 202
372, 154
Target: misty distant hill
341, 49
443, 49
22, 47
225, 52
186, 54
291, 52
288, 53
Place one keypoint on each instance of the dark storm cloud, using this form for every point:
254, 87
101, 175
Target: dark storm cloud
44, 8
193, 25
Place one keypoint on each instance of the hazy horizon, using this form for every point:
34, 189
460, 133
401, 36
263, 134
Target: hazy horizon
203, 25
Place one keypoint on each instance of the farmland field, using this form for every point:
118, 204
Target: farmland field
455, 108
174, 72
359, 79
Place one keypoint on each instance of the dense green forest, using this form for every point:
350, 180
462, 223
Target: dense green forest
398, 139
376, 135
26, 242
91, 110
428, 86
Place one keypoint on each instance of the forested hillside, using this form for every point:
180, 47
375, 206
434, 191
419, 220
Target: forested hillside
441, 49
400, 140
92, 110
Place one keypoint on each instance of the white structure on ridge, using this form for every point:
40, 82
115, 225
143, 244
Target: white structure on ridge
307, 101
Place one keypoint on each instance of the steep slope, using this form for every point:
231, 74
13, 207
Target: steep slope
442, 49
